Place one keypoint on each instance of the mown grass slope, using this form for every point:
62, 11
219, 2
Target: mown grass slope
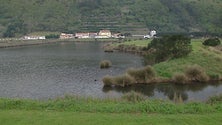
207, 57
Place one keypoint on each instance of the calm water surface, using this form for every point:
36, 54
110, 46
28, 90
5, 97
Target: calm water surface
50, 71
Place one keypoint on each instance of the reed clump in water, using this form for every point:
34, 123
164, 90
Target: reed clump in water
143, 75
122, 80
132, 76
105, 64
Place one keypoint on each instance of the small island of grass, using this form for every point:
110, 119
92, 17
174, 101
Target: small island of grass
196, 63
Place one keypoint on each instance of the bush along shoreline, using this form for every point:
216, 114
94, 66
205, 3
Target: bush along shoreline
174, 59
192, 74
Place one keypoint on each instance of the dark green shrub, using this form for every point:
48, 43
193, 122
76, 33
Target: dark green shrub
212, 42
52, 36
174, 46
133, 97
15, 27
105, 64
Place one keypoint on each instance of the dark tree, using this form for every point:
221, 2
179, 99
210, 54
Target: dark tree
52, 36
167, 47
212, 42
15, 27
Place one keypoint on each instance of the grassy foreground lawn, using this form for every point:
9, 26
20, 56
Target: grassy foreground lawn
19, 117
88, 111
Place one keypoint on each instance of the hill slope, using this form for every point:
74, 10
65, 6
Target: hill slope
135, 16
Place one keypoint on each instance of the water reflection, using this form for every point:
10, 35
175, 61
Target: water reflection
173, 92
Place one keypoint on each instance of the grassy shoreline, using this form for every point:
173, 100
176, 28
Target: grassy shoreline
77, 110
131, 104
203, 58
17, 43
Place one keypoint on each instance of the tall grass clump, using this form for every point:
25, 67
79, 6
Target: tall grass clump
180, 78
215, 77
150, 72
142, 75
196, 73
105, 64
137, 74
133, 97
123, 80
107, 81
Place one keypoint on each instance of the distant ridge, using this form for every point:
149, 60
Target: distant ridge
127, 16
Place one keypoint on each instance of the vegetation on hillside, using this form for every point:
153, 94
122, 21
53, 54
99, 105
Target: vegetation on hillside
207, 57
127, 16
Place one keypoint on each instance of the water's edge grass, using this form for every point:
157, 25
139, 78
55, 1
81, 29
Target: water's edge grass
78, 104
89, 111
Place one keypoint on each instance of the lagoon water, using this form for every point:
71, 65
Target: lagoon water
72, 68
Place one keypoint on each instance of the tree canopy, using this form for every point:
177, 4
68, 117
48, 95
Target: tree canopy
168, 47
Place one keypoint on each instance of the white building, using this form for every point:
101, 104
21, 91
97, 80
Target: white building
104, 34
86, 35
34, 38
152, 34
66, 36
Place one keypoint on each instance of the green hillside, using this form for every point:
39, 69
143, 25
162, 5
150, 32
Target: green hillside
18, 17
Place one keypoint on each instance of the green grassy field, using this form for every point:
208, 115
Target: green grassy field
88, 111
18, 117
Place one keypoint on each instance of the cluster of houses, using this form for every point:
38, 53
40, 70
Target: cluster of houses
101, 34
